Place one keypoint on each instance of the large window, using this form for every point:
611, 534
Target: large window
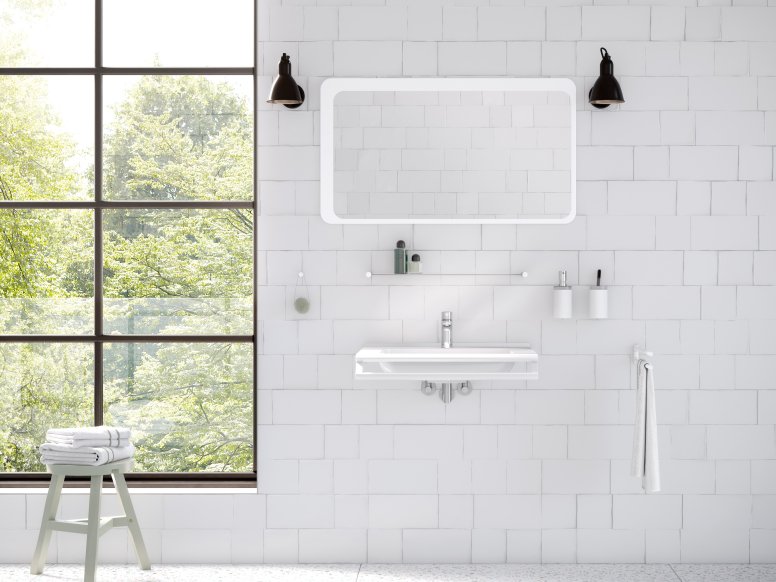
127, 239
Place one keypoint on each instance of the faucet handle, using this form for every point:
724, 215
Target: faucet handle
447, 316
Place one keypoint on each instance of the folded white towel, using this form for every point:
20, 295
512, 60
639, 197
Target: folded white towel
92, 436
646, 461
54, 454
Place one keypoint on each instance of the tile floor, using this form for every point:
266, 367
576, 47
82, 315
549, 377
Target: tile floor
407, 573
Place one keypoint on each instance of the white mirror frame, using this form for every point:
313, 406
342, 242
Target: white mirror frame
332, 86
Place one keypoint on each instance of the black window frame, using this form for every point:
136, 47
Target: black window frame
98, 205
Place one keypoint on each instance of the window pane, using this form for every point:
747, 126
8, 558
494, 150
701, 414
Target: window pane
46, 137
206, 33
46, 271
57, 33
41, 386
178, 138
178, 271
189, 405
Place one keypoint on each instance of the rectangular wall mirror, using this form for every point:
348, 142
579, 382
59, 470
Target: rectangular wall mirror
448, 151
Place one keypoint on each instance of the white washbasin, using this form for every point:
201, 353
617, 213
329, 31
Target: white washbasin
456, 364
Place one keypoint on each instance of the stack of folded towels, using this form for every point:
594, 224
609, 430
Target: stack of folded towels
96, 445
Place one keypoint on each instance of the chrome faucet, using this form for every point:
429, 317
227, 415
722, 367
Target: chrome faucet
447, 329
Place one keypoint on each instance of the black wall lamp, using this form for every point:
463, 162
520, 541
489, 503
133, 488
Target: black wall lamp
284, 90
606, 89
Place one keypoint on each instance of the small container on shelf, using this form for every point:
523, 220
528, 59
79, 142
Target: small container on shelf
415, 266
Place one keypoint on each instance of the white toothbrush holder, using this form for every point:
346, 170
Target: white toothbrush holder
598, 303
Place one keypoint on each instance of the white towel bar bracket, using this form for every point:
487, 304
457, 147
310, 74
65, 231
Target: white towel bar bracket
640, 354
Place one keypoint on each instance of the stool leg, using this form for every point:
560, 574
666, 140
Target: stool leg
134, 526
93, 528
49, 513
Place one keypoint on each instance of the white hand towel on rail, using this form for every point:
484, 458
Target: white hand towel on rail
53, 454
646, 461
92, 436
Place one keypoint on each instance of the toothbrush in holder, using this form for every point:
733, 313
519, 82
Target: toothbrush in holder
598, 299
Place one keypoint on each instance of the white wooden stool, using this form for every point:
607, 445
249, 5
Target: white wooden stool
93, 526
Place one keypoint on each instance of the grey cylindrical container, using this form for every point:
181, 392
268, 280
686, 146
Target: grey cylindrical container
400, 258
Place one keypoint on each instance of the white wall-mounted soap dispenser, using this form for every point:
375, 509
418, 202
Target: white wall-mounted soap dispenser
562, 298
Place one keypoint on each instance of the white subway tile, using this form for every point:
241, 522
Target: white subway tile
472, 58
298, 511
384, 546
316, 477
550, 407
604, 163
600, 545
761, 546
700, 268
703, 23
668, 23
306, 407
704, 163
402, 476
677, 127
372, 23
320, 23
594, 511
575, 476
365, 58
507, 511
647, 511
748, 23
524, 546
318, 546
666, 302
616, 22
621, 232
723, 93
419, 59
564, 23
433, 546
291, 442
654, 93
733, 477
741, 442
724, 232
723, 407
429, 442
728, 128
550, 442
718, 545
651, 163
424, 22
403, 511
489, 546
649, 267
600, 442
456, 511
559, 546
627, 128
281, 546
755, 163
341, 442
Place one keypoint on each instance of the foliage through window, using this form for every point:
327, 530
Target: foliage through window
127, 199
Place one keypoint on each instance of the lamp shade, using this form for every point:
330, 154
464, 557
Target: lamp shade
284, 90
606, 89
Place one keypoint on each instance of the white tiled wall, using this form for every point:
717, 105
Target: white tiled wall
677, 205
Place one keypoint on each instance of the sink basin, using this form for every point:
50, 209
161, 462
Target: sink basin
456, 364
